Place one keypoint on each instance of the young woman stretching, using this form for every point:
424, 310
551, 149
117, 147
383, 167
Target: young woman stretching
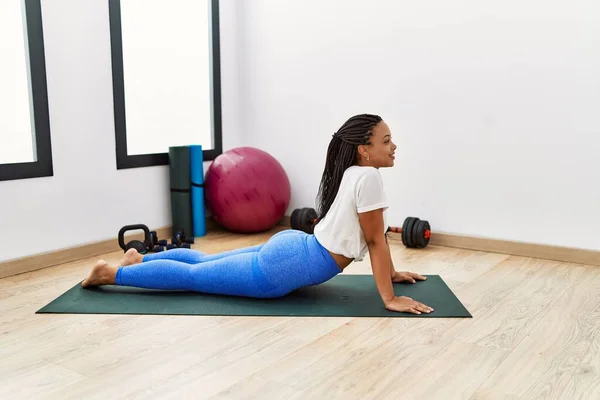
351, 222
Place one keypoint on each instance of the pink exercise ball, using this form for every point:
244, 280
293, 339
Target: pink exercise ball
247, 190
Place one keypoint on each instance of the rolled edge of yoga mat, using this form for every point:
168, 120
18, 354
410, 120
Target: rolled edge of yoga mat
179, 167
197, 184
181, 212
179, 176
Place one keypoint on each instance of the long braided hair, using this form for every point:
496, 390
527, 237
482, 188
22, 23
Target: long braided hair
342, 154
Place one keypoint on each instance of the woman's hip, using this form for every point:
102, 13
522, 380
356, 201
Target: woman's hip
292, 259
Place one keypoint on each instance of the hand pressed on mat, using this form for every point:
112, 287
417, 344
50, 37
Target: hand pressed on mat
407, 304
405, 276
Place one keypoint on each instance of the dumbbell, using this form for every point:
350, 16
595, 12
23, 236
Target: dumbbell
153, 238
415, 232
179, 238
156, 246
172, 246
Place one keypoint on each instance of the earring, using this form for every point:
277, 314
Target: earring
368, 158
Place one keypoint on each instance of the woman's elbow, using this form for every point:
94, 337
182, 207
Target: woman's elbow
375, 241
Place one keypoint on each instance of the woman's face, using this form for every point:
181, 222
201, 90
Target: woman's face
380, 153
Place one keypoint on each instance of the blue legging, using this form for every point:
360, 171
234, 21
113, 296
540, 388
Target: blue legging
289, 260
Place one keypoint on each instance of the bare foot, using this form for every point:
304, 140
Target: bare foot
131, 257
102, 274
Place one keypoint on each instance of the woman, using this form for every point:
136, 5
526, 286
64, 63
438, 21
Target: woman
351, 222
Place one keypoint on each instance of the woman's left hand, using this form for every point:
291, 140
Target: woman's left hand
405, 276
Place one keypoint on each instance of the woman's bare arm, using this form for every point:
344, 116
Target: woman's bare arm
381, 261
392, 268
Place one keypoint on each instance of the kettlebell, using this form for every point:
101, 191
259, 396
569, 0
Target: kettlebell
141, 247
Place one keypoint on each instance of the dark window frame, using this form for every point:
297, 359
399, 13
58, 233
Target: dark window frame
42, 145
124, 160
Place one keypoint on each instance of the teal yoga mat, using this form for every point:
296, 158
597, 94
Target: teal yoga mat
342, 296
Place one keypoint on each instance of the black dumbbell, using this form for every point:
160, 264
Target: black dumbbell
415, 233
172, 246
154, 238
179, 238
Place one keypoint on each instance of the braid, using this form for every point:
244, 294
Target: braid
342, 154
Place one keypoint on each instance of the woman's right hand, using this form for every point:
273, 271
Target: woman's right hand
406, 304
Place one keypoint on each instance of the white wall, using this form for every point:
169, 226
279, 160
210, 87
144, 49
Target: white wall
88, 200
494, 107
455, 81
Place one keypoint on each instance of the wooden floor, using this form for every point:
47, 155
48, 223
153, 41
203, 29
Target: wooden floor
535, 335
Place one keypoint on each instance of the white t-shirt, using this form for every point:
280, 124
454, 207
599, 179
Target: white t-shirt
361, 190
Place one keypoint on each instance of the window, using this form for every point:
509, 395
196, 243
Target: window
166, 78
25, 148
